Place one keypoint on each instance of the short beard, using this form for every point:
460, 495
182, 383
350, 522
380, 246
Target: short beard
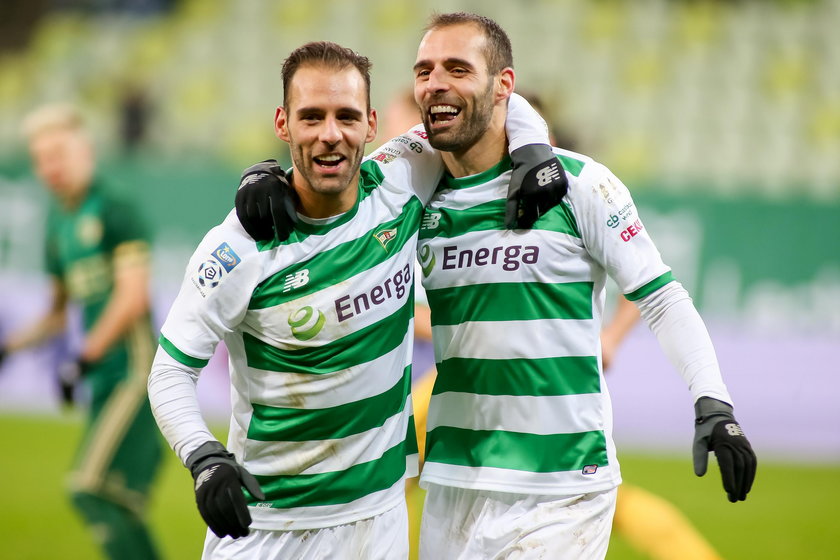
470, 131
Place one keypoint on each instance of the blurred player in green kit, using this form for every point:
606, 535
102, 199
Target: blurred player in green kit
97, 253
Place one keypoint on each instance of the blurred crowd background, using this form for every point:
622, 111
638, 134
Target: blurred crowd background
723, 118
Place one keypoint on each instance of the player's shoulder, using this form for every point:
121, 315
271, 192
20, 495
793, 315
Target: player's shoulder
580, 166
229, 243
591, 182
410, 144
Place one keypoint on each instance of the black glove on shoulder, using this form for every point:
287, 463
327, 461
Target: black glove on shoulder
265, 202
715, 429
537, 185
218, 489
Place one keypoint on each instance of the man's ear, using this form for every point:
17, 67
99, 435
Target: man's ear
281, 129
505, 82
372, 124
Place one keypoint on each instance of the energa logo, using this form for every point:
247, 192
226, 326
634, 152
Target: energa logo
306, 323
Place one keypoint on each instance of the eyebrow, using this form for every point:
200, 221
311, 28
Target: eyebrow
318, 110
452, 61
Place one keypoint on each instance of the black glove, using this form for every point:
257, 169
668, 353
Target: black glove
2, 354
265, 202
70, 374
218, 489
537, 185
715, 429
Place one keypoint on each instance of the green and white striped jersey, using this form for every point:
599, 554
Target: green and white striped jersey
520, 404
319, 330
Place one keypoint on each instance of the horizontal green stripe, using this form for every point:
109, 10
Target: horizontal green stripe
185, 359
515, 450
269, 423
650, 287
511, 301
504, 165
490, 216
344, 261
541, 377
370, 177
356, 348
339, 487
572, 165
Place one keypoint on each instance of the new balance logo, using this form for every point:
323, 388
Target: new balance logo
734, 430
204, 476
296, 280
431, 220
253, 178
548, 174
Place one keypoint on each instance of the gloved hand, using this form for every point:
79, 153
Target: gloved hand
218, 489
265, 202
70, 374
537, 185
715, 429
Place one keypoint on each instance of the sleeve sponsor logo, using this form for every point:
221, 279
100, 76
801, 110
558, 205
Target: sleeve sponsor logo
208, 276
627, 211
412, 144
632, 231
382, 157
612, 221
226, 256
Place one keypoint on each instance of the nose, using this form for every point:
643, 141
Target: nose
330, 132
437, 80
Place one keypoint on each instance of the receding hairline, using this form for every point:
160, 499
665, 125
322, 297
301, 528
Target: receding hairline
498, 50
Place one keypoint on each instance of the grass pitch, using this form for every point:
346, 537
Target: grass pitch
790, 514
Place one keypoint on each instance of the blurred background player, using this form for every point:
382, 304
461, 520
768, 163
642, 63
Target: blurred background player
97, 253
649, 523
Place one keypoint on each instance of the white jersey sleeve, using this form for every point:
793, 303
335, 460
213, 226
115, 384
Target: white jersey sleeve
172, 394
615, 236
524, 125
214, 295
682, 335
613, 232
409, 162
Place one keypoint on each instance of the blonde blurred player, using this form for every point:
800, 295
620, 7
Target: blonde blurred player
97, 254
649, 523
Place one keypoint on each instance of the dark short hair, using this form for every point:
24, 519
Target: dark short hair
498, 52
325, 53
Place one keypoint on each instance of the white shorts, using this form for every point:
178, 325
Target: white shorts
460, 524
382, 537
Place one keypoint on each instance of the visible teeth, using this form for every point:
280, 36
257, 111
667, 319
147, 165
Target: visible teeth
435, 109
331, 157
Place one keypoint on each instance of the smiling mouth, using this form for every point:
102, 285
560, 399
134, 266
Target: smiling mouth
329, 160
443, 113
